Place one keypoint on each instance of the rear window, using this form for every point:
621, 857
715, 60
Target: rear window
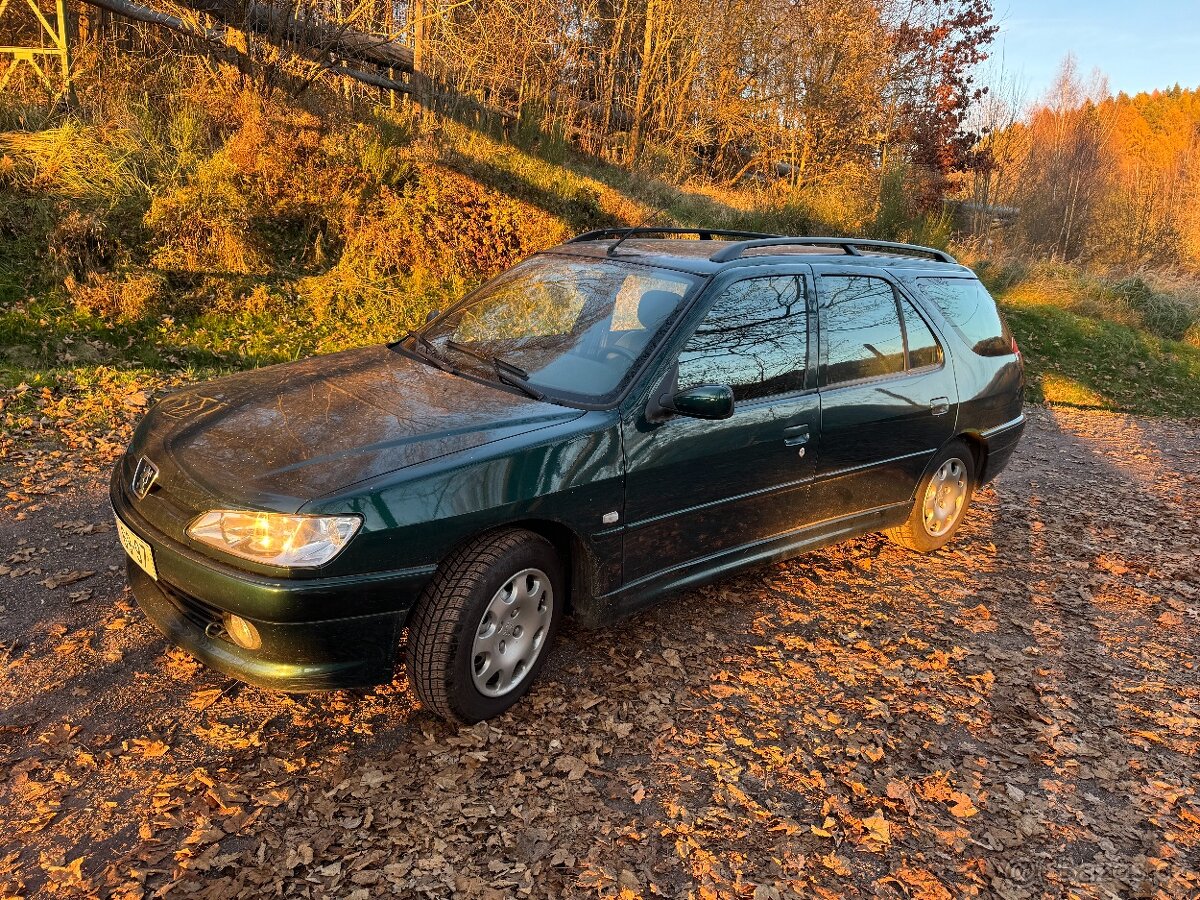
968, 306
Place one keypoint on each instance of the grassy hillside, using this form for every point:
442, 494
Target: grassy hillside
1104, 340
153, 237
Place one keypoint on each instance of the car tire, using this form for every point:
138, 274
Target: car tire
940, 503
498, 598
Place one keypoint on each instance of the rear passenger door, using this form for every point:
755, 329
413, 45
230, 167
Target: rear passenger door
888, 398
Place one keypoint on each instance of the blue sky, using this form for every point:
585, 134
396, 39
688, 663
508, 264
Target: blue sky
1139, 45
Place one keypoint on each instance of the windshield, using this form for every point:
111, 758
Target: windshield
568, 328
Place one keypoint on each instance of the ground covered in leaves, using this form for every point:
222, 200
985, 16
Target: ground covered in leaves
1016, 716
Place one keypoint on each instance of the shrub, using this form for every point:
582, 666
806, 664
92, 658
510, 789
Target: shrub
205, 225
70, 197
444, 225
1161, 312
117, 298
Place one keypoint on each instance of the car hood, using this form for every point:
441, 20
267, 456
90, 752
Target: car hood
277, 437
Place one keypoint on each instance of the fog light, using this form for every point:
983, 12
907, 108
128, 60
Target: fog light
242, 633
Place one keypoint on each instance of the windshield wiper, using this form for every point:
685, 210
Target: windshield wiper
506, 372
511, 367
463, 348
429, 352
514, 375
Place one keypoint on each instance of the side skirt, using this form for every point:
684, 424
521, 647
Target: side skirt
635, 596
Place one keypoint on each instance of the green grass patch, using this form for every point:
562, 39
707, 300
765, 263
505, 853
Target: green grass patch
1076, 360
49, 335
1103, 339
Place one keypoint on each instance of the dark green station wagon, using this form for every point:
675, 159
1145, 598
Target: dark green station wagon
632, 413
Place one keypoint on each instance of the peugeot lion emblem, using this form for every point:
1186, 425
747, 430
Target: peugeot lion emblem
143, 477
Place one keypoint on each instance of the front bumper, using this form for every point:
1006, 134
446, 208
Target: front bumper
317, 633
294, 656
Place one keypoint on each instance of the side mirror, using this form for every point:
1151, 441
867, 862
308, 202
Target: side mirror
709, 401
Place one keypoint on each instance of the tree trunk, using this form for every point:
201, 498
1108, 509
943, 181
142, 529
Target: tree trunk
643, 86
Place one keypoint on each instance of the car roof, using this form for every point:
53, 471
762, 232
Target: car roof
694, 256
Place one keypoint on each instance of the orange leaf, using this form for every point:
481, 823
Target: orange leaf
963, 807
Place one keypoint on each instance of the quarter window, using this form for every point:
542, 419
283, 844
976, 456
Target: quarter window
968, 306
923, 348
860, 329
754, 338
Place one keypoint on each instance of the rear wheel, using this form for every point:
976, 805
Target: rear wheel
482, 628
942, 499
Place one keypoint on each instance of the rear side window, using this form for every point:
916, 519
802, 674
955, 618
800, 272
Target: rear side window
968, 306
860, 329
754, 338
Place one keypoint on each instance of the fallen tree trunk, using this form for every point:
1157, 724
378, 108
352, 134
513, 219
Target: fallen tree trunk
140, 13
276, 21
371, 78
135, 11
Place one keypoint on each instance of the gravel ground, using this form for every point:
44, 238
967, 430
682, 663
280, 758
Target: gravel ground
1015, 716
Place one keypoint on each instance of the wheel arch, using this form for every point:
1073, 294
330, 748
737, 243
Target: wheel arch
977, 444
578, 560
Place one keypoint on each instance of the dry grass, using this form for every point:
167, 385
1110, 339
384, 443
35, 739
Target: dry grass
226, 199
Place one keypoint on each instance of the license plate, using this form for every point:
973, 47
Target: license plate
139, 551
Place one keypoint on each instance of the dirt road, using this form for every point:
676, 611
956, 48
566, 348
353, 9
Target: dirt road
1016, 716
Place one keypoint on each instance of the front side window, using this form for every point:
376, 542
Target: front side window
860, 329
754, 338
571, 328
968, 306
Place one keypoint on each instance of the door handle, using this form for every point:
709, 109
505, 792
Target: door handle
795, 436
939, 406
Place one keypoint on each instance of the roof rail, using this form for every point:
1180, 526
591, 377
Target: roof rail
848, 245
705, 234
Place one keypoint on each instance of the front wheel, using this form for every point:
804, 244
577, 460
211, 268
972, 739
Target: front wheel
481, 630
941, 501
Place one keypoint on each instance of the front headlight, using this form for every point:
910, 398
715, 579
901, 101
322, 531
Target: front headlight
275, 538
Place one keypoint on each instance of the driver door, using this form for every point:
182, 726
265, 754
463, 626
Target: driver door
697, 489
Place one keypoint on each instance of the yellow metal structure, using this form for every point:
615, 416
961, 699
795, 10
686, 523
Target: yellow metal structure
41, 58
